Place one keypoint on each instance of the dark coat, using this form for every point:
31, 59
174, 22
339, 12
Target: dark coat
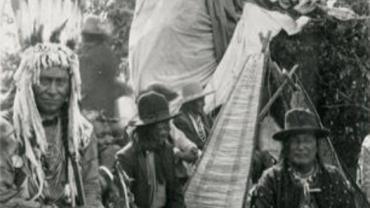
184, 123
261, 161
132, 160
13, 194
276, 189
99, 70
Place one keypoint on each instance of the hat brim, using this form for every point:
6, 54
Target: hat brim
194, 97
145, 122
285, 134
94, 32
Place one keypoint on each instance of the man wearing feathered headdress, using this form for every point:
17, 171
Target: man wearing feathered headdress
54, 159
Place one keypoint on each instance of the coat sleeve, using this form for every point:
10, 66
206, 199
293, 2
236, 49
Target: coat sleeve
263, 196
184, 126
344, 191
12, 196
90, 175
180, 139
124, 161
176, 198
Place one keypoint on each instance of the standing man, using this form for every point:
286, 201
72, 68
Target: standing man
149, 160
301, 179
99, 68
101, 88
55, 162
193, 121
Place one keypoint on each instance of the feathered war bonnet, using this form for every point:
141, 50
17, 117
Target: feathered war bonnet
48, 31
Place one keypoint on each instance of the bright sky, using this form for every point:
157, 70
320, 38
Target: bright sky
8, 37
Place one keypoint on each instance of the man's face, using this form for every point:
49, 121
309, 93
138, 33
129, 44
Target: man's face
302, 149
197, 105
53, 90
161, 131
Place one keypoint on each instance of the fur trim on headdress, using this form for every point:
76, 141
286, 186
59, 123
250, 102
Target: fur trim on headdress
47, 30
26, 117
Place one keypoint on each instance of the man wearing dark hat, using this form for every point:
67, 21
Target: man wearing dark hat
300, 179
193, 121
149, 160
185, 150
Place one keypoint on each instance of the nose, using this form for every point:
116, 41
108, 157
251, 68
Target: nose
53, 87
163, 128
301, 145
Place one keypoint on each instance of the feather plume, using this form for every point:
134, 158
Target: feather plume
45, 29
42, 21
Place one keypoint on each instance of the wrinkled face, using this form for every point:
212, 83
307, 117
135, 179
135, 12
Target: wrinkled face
197, 105
53, 90
302, 149
161, 131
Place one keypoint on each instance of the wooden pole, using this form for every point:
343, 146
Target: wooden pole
286, 81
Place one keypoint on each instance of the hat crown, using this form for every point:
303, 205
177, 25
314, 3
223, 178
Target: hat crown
164, 90
300, 121
93, 25
192, 89
300, 118
152, 106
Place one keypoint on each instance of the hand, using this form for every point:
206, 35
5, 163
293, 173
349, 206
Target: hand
195, 151
302, 21
190, 155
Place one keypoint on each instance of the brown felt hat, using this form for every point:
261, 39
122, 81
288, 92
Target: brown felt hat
300, 121
153, 108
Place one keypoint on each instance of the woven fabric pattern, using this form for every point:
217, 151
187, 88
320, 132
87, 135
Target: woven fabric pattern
221, 177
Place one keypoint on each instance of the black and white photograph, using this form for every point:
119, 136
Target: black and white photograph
184, 103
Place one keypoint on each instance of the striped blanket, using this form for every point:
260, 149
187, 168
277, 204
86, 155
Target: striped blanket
222, 174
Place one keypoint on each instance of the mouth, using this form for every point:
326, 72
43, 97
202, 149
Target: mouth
50, 101
301, 155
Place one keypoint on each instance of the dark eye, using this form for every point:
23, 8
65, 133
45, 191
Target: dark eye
44, 81
61, 81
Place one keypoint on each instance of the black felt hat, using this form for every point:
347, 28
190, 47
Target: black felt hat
153, 108
300, 121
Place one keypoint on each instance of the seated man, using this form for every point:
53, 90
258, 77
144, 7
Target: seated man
300, 179
55, 161
184, 148
148, 159
193, 121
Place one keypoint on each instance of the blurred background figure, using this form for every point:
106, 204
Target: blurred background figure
193, 121
186, 151
101, 88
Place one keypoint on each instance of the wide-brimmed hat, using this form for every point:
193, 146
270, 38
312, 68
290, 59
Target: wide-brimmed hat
164, 90
153, 108
94, 25
193, 91
300, 121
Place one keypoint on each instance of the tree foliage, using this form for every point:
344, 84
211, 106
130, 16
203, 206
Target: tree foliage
335, 60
